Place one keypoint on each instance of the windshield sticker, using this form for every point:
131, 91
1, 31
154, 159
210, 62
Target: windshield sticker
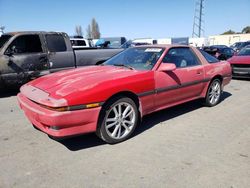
153, 50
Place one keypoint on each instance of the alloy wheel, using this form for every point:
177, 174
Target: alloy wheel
120, 120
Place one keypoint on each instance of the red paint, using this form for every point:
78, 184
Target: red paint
245, 60
69, 123
98, 83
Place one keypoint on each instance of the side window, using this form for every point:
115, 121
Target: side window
181, 57
26, 44
55, 43
208, 57
81, 43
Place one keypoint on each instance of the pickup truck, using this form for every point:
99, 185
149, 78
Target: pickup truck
28, 55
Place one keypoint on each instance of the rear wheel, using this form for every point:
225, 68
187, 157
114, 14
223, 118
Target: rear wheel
117, 120
213, 93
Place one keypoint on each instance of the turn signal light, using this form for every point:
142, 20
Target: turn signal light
71, 108
92, 105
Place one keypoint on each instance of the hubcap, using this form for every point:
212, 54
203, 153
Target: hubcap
120, 120
214, 92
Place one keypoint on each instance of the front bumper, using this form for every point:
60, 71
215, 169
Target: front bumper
59, 124
241, 71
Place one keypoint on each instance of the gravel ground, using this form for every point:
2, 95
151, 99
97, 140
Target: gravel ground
185, 146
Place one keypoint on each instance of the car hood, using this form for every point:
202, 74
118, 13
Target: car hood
83, 79
239, 60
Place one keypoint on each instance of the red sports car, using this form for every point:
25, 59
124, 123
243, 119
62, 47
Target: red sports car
241, 63
110, 99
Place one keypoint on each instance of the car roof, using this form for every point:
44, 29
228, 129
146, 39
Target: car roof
32, 32
162, 46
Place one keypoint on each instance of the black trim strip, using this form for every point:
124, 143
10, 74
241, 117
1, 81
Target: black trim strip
82, 106
160, 90
146, 93
164, 89
70, 108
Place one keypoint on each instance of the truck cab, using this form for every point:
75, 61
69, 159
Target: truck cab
30, 54
24, 55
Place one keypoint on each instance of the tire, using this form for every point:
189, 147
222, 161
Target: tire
213, 93
118, 120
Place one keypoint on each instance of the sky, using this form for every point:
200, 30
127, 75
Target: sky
129, 18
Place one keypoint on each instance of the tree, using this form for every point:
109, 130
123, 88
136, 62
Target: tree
246, 29
228, 32
1, 29
95, 32
88, 32
78, 30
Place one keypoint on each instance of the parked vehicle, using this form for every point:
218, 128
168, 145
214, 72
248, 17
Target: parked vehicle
78, 43
235, 46
130, 44
110, 99
219, 46
239, 45
219, 51
28, 55
111, 42
147, 41
241, 63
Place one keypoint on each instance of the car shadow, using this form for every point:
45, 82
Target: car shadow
148, 122
153, 119
242, 79
8, 92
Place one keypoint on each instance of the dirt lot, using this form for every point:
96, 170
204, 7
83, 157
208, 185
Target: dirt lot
185, 146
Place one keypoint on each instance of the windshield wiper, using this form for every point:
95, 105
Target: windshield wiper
123, 65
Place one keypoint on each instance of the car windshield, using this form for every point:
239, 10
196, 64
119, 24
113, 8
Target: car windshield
235, 45
245, 51
139, 58
4, 39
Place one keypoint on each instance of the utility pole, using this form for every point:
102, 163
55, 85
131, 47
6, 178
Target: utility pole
198, 19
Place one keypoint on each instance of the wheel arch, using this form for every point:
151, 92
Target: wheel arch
204, 92
128, 94
216, 77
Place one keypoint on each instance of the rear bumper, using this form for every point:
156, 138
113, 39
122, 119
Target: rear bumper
59, 124
241, 72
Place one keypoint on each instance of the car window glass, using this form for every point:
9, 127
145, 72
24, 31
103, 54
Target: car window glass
55, 43
181, 57
4, 39
208, 57
26, 44
141, 58
81, 43
245, 51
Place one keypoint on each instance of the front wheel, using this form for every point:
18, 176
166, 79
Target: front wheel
213, 93
118, 120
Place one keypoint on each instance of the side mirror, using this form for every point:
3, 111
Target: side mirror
166, 67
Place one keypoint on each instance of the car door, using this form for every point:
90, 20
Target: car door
24, 59
184, 83
60, 53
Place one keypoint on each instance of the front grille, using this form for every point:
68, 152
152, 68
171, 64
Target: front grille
241, 65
